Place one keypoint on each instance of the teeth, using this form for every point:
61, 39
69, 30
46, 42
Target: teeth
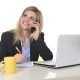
24, 23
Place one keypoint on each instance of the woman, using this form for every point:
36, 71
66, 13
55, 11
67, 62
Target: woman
31, 44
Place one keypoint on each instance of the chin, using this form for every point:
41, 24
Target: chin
24, 27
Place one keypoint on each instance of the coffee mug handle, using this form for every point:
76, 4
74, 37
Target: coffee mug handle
1, 65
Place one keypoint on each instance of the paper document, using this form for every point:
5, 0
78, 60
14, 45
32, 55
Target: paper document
25, 64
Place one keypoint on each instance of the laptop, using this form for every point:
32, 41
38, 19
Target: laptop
68, 52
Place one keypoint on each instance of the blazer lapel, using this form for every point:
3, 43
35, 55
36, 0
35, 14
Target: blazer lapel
18, 44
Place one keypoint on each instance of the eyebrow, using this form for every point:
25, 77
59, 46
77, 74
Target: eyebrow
30, 16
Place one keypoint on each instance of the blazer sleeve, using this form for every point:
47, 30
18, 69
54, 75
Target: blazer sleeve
44, 51
6, 45
3, 47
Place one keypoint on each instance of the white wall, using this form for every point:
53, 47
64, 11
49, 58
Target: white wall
60, 17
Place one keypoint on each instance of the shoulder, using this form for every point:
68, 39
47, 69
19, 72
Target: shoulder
7, 34
41, 36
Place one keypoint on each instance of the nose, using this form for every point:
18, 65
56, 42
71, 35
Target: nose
27, 19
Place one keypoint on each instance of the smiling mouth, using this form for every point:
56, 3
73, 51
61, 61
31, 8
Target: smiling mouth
24, 23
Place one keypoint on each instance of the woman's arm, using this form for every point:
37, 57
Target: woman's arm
3, 47
43, 50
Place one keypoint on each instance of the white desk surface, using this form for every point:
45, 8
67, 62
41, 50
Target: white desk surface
43, 73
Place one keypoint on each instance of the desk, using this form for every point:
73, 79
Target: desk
43, 73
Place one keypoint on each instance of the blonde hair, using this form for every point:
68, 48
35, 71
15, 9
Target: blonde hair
18, 33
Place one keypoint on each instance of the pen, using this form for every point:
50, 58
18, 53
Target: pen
18, 50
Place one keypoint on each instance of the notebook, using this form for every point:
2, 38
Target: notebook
68, 52
25, 64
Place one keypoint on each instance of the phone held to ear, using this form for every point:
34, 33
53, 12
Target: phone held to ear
33, 29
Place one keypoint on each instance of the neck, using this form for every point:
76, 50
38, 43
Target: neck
26, 33
26, 38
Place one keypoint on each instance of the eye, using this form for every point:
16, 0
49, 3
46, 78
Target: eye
24, 15
32, 18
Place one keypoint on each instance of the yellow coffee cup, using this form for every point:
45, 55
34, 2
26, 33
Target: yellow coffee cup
9, 65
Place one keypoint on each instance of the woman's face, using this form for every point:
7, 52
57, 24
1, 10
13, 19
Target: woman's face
27, 20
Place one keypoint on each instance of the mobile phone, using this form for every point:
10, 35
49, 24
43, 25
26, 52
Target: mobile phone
33, 29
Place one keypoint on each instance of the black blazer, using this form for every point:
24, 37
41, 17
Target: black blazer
36, 47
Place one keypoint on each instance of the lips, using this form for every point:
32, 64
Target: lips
25, 25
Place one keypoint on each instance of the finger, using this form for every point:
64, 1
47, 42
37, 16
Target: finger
20, 58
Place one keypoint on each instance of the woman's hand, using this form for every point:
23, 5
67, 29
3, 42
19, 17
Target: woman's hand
35, 34
20, 58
